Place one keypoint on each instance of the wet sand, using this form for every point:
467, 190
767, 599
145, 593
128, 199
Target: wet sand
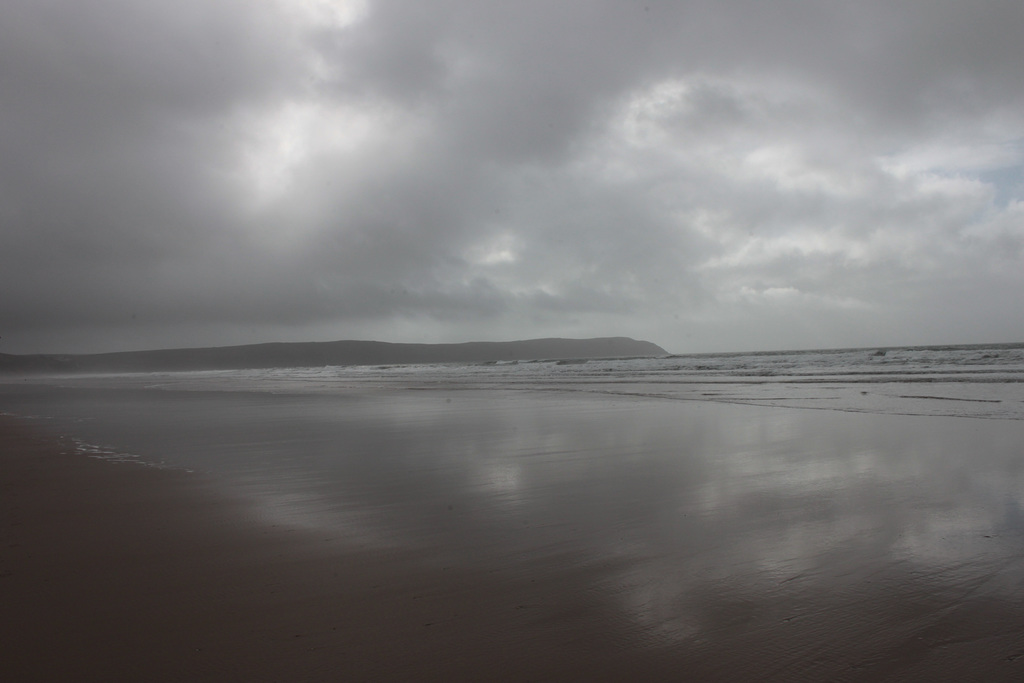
126, 573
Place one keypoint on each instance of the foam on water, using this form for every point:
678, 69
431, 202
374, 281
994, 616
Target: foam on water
964, 381
114, 455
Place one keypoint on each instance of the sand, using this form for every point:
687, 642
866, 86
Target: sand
128, 573
119, 572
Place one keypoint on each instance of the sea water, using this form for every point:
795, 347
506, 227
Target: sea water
982, 381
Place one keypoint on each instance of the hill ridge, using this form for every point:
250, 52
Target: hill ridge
314, 354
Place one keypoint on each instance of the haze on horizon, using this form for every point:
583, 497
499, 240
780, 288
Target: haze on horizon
705, 175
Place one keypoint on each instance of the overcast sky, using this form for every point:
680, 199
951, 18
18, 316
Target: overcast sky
709, 175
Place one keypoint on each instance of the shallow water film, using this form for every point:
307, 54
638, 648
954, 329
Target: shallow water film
805, 542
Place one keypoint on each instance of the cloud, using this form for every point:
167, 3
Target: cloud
710, 175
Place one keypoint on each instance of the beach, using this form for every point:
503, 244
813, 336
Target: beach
131, 573
155, 529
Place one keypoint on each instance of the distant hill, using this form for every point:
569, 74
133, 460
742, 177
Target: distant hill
313, 354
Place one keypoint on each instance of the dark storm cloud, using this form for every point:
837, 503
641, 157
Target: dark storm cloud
711, 175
